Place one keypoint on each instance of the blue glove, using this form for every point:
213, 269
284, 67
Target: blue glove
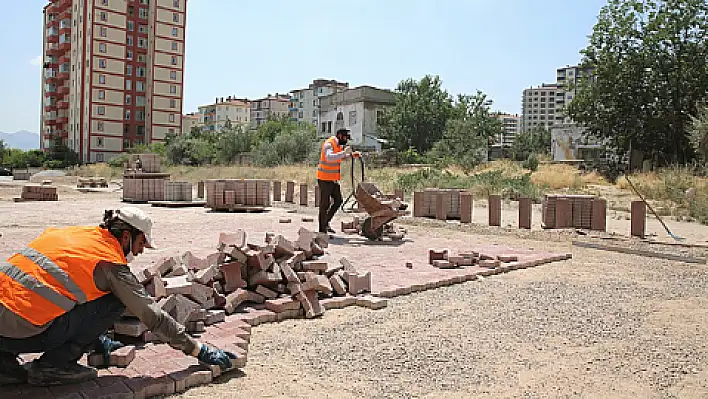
216, 357
105, 346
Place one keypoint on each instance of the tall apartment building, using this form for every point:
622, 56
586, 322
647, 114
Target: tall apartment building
305, 103
224, 112
511, 126
113, 73
566, 79
270, 107
539, 107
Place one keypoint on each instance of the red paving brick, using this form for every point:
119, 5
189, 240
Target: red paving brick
160, 370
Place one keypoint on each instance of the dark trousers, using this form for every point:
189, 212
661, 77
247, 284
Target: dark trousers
328, 190
71, 334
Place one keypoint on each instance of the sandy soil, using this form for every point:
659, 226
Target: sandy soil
601, 325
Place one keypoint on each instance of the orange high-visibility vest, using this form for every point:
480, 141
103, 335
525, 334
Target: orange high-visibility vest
329, 170
54, 272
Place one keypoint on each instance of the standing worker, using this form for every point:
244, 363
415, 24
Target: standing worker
334, 150
60, 294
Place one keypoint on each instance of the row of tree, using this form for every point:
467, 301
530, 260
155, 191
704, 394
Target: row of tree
59, 157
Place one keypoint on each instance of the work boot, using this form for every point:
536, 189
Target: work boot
45, 374
10, 370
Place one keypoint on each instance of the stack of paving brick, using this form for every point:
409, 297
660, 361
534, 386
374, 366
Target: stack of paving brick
282, 276
573, 211
145, 183
443, 260
149, 163
425, 203
34, 192
232, 194
178, 191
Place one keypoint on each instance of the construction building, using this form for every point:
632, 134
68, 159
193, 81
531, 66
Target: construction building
113, 74
358, 109
305, 103
269, 107
225, 112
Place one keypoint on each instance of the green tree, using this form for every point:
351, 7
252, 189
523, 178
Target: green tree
649, 70
232, 142
467, 135
420, 115
534, 141
699, 133
3, 146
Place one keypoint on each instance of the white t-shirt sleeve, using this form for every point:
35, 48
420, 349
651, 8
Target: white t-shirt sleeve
331, 155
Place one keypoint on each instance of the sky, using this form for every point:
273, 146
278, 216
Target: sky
253, 48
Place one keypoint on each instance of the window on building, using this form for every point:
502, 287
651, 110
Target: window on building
102, 63
99, 126
172, 117
175, 32
175, 46
175, 17
139, 86
128, 84
126, 143
140, 131
129, 40
329, 127
102, 47
103, 31
140, 72
129, 70
131, 10
140, 116
101, 94
173, 103
129, 54
173, 75
101, 110
99, 141
142, 42
143, 13
176, 3
128, 99
131, 26
352, 118
142, 28
173, 61
104, 2
102, 79
127, 114
142, 58
140, 101
104, 16
171, 131
173, 89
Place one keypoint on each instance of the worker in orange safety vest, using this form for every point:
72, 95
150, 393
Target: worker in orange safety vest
334, 151
60, 294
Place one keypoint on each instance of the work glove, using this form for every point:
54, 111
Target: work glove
356, 154
216, 357
348, 151
105, 346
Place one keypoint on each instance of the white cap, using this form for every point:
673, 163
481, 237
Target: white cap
138, 219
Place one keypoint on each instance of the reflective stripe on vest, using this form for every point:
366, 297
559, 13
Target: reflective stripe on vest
36, 286
55, 271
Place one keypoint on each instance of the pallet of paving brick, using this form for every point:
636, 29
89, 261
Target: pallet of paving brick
239, 208
430, 198
580, 207
34, 192
237, 193
144, 187
177, 204
149, 163
178, 191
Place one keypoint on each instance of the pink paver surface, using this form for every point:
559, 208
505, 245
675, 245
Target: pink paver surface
161, 370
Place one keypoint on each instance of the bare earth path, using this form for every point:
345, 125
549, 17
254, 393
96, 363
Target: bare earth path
600, 325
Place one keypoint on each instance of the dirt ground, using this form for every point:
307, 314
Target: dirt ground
600, 325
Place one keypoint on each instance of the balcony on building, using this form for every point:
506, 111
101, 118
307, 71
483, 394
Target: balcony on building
65, 9
62, 119
63, 89
64, 42
52, 35
63, 104
53, 49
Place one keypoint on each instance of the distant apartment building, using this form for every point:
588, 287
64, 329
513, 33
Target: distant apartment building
112, 76
189, 121
305, 103
566, 79
539, 107
511, 126
358, 109
270, 107
225, 112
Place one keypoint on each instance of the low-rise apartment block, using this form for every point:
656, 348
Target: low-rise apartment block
224, 113
270, 107
189, 122
305, 103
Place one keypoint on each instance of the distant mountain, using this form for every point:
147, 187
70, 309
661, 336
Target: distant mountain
22, 140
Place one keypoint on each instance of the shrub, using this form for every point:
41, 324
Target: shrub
531, 163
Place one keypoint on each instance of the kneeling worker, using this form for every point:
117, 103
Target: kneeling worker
60, 294
334, 150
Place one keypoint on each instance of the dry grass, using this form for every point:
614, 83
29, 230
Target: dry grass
557, 177
97, 170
